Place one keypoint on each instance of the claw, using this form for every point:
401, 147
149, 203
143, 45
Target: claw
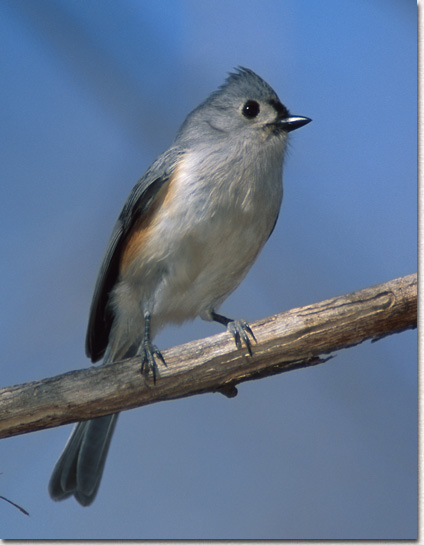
239, 329
149, 354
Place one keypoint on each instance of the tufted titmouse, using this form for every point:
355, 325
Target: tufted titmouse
188, 233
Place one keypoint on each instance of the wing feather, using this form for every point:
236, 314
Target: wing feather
138, 204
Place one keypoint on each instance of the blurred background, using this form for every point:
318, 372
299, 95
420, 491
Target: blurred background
92, 91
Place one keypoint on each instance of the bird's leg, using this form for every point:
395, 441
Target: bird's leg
149, 352
239, 329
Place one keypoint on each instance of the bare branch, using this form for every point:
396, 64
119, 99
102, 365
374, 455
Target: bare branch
287, 341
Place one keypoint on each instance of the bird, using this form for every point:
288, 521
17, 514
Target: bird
188, 233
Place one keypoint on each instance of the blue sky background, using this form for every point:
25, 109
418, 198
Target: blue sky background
92, 91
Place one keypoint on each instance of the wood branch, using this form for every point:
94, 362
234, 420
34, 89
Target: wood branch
286, 341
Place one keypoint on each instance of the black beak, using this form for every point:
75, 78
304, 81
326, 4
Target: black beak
294, 122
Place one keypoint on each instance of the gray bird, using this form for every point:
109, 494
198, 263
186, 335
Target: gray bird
188, 233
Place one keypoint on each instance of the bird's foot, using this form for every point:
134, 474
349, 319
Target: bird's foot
239, 329
149, 354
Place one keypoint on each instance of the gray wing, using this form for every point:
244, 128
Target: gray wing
137, 205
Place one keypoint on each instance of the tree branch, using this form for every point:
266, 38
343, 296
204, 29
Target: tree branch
286, 341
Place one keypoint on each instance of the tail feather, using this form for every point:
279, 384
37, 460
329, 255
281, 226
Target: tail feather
79, 470
80, 467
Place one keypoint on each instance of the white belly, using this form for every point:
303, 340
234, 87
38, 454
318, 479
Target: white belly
203, 241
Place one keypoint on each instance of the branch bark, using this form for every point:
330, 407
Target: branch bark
286, 341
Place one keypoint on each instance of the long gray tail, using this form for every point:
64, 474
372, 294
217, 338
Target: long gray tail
79, 470
80, 467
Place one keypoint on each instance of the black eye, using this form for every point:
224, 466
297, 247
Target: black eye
250, 109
